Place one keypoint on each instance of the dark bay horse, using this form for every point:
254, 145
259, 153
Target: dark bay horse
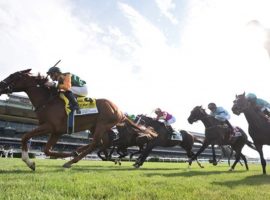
164, 140
50, 111
258, 125
127, 136
218, 134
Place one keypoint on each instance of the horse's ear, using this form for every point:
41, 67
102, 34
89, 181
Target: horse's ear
244, 94
25, 71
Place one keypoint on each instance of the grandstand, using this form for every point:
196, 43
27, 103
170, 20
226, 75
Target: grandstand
17, 116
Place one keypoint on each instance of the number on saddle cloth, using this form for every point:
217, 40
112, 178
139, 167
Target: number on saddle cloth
176, 135
87, 106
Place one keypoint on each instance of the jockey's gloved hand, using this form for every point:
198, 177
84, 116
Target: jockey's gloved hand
51, 84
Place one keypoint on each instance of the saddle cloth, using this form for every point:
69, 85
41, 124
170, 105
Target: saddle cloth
86, 108
237, 132
85, 105
176, 136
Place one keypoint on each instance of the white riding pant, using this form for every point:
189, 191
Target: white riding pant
170, 121
79, 91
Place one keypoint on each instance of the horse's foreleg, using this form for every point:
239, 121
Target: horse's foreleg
140, 160
136, 152
40, 130
51, 142
189, 155
214, 155
203, 147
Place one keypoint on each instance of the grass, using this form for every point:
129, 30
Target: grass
103, 180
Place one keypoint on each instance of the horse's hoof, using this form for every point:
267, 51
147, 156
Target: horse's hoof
189, 161
136, 165
120, 163
215, 163
230, 170
33, 166
67, 165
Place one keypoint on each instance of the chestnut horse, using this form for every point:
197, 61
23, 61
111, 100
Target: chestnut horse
52, 117
258, 125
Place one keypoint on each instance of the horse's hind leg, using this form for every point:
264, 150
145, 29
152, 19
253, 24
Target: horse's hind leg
237, 158
263, 162
51, 142
100, 156
244, 159
96, 141
214, 155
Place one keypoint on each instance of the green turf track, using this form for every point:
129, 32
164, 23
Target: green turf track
104, 180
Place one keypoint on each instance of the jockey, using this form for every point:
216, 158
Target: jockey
70, 84
167, 117
220, 114
263, 105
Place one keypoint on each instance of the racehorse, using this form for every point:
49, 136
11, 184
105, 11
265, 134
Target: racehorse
217, 133
258, 125
52, 117
127, 136
164, 140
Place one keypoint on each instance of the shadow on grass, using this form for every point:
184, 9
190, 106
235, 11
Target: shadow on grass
44, 168
253, 180
188, 173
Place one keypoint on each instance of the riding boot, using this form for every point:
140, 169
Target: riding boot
170, 129
73, 101
231, 129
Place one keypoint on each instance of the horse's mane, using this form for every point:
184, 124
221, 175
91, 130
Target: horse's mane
151, 120
208, 115
41, 80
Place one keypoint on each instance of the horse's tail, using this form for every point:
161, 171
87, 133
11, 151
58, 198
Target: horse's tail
251, 145
197, 139
149, 131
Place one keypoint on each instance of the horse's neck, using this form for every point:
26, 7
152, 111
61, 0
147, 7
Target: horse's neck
151, 122
209, 121
253, 117
38, 96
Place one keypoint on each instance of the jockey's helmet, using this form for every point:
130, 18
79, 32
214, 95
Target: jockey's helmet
251, 96
53, 70
157, 110
212, 106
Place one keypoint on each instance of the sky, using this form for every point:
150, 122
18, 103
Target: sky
172, 54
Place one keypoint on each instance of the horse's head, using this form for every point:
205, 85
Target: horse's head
240, 104
20, 81
196, 114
